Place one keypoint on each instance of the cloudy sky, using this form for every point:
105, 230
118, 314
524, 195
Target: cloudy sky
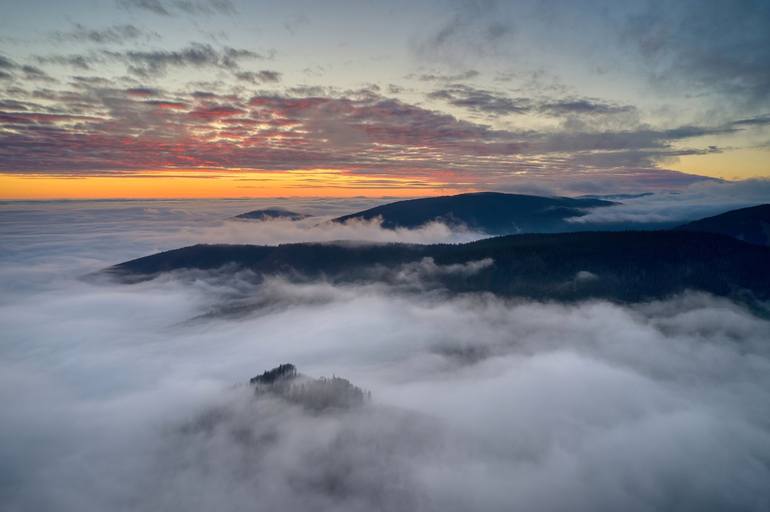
228, 98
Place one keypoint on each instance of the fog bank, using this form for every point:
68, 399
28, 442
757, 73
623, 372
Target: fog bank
135, 397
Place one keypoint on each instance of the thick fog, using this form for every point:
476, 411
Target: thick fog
691, 203
136, 397
41, 241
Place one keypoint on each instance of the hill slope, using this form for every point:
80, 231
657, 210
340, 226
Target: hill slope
490, 212
624, 266
750, 224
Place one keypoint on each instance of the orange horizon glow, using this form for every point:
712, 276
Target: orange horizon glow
171, 183
183, 184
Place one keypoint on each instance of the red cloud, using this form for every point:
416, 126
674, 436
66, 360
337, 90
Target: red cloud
114, 130
215, 112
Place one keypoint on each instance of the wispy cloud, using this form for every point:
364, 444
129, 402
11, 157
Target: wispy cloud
257, 77
175, 7
480, 100
706, 47
11, 69
115, 34
156, 62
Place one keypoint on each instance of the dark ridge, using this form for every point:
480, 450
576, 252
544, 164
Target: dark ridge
489, 212
750, 224
271, 214
629, 266
310, 259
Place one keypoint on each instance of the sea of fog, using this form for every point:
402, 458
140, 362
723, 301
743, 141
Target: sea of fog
133, 397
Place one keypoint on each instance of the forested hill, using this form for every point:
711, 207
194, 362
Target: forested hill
624, 266
489, 212
750, 224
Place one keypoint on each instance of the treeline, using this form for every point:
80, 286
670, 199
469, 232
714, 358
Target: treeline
628, 266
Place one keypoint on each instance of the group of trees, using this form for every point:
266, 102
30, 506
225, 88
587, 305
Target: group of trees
314, 394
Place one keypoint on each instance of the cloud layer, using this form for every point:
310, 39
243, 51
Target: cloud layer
691, 203
610, 406
95, 125
134, 396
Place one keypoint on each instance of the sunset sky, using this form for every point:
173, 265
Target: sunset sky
230, 98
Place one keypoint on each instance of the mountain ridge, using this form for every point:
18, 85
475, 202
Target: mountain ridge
628, 266
750, 224
494, 213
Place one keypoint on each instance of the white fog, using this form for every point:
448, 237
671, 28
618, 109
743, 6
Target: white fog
126, 397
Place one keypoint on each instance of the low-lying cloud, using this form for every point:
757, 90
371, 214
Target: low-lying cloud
691, 203
276, 231
477, 403
136, 396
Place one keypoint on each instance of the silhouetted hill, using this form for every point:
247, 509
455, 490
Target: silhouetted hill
490, 212
624, 266
750, 224
271, 214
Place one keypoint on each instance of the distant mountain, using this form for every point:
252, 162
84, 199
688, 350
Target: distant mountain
623, 266
750, 224
271, 214
489, 212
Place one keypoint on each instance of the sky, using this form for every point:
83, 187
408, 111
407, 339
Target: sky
228, 98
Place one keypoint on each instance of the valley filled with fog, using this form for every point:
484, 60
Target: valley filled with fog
128, 397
